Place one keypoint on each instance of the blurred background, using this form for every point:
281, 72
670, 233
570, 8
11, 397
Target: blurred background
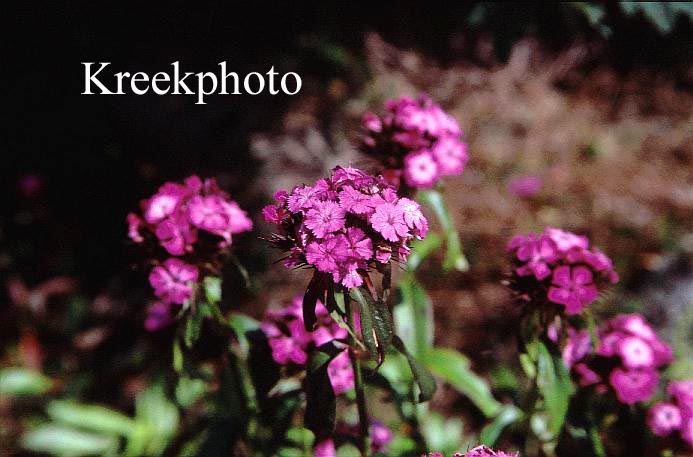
577, 115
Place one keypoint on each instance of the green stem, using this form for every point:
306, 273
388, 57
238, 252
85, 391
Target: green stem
364, 439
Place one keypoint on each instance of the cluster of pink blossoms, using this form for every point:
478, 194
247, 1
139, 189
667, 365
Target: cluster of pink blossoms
415, 139
185, 220
676, 415
291, 343
479, 451
629, 356
559, 266
345, 224
380, 436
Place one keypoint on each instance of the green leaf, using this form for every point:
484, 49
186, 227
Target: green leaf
421, 249
156, 420
508, 415
91, 417
376, 323
553, 382
178, 360
454, 258
315, 291
67, 442
189, 390
422, 377
241, 326
23, 381
414, 317
212, 288
321, 403
444, 435
454, 368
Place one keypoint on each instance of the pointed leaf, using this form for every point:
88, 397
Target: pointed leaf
491, 432
91, 417
376, 323
422, 377
454, 258
321, 402
454, 368
315, 291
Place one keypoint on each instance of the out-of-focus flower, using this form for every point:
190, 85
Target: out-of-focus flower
525, 186
483, 451
667, 417
336, 225
416, 139
664, 418
340, 373
632, 386
325, 448
381, 436
158, 316
173, 281
177, 212
291, 343
629, 355
558, 267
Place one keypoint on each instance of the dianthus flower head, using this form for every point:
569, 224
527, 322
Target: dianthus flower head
341, 225
177, 212
416, 139
559, 267
193, 220
629, 357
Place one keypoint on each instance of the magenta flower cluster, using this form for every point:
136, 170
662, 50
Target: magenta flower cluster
559, 267
175, 218
344, 225
178, 212
415, 140
291, 343
479, 451
629, 357
676, 414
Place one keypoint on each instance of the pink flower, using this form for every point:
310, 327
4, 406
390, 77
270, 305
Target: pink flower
483, 451
573, 288
173, 281
682, 391
175, 234
325, 218
413, 217
566, 241
134, 225
525, 186
325, 448
579, 345
336, 225
388, 220
340, 373
208, 213
420, 169
634, 324
381, 436
164, 202
302, 198
536, 254
158, 316
632, 386
635, 352
586, 376
359, 247
327, 254
450, 155
354, 201
664, 418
